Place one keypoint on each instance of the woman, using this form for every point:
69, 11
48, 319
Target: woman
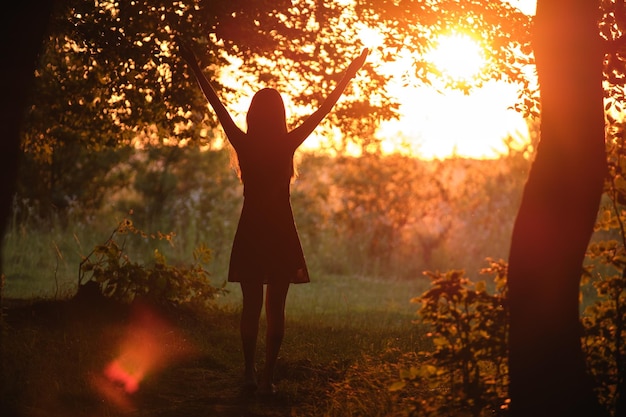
266, 249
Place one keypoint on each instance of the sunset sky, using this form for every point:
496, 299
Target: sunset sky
438, 123
445, 123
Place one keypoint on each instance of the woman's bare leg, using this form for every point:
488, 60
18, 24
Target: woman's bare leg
249, 327
275, 314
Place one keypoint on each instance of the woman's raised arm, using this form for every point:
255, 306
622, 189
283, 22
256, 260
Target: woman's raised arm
230, 128
299, 134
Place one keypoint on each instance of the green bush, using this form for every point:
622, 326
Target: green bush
605, 326
121, 279
466, 369
363, 390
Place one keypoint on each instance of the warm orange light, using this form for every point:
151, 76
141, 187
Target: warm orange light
457, 56
149, 345
434, 121
528, 7
443, 124
370, 37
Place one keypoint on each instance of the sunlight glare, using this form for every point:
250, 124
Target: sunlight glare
528, 7
434, 122
457, 56
436, 125
370, 37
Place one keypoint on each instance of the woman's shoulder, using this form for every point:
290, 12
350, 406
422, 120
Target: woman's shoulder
238, 139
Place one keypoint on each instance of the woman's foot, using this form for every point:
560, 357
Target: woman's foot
249, 381
266, 386
267, 389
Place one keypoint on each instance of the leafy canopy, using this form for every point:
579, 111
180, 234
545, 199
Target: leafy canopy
110, 73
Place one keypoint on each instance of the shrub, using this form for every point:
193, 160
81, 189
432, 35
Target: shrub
605, 326
363, 390
466, 369
121, 279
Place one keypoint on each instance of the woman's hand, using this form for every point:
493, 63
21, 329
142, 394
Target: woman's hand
300, 133
358, 62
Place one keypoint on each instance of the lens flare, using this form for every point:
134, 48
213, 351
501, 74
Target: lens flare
149, 345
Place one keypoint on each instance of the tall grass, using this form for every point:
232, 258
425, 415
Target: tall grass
377, 217
349, 324
335, 323
41, 258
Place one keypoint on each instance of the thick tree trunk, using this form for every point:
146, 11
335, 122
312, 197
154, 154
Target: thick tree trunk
557, 215
23, 27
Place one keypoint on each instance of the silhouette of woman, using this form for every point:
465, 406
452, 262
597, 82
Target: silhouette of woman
266, 248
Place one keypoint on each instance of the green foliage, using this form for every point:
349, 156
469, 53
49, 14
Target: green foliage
124, 280
468, 328
109, 74
363, 390
467, 368
379, 202
604, 320
605, 333
73, 175
395, 216
386, 217
200, 187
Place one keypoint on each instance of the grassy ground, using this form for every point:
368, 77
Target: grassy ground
55, 354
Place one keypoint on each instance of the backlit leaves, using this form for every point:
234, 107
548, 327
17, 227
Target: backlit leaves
469, 334
112, 67
116, 276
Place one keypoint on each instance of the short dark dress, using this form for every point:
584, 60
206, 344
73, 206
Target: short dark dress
266, 246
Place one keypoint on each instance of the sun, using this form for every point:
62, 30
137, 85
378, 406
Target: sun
437, 120
457, 56
440, 121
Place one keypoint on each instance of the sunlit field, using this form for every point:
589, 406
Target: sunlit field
42, 256
336, 326
354, 322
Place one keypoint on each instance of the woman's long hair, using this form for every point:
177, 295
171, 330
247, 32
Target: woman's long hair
266, 120
266, 115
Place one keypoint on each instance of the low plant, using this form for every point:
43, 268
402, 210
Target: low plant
605, 326
118, 277
466, 371
363, 389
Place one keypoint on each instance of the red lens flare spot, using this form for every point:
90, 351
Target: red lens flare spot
149, 344
129, 379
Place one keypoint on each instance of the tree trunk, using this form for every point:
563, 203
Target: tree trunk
21, 36
557, 215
